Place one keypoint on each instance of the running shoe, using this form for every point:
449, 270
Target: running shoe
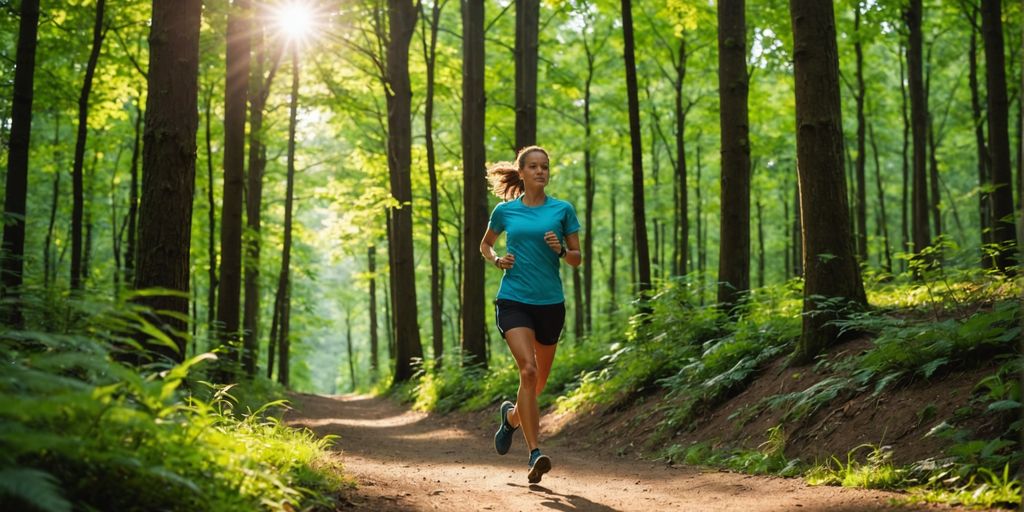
539, 464
503, 437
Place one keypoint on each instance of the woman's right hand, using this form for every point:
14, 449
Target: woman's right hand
505, 262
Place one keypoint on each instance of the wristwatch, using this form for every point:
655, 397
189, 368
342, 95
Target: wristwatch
563, 253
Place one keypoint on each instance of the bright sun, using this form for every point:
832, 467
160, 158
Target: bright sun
295, 20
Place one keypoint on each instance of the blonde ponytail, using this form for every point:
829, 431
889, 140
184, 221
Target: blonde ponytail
505, 181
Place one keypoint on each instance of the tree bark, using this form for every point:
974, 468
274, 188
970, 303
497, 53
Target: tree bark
905, 191
348, 348
236, 86
682, 191
402, 23
918, 124
1004, 232
77, 185
527, 23
260, 89
371, 257
474, 100
16, 185
883, 220
642, 254
984, 202
169, 164
211, 228
133, 199
734, 251
861, 161
284, 314
436, 288
830, 264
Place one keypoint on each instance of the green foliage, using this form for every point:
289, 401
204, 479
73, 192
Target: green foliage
985, 489
78, 426
769, 458
876, 472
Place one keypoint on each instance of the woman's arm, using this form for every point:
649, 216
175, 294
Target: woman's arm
573, 254
489, 254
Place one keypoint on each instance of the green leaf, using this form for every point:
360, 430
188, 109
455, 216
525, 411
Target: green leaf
1003, 405
34, 487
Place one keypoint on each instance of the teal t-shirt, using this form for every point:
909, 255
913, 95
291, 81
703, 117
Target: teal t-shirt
534, 279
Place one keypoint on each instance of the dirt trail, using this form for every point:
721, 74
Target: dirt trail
404, 460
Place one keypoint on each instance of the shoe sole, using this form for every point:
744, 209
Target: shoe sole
541, 466
501, 425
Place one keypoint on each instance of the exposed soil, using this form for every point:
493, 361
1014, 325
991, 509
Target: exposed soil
405, 460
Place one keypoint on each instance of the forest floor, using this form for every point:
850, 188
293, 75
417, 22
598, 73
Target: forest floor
404, 460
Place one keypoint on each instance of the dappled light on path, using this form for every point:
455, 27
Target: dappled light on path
405, 460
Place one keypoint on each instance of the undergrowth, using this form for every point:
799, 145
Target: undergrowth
79, 429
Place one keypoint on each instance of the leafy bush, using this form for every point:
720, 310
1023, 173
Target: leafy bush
77, 426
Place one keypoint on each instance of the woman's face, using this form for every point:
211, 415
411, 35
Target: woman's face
536, 171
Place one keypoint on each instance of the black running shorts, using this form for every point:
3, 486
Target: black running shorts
546, 320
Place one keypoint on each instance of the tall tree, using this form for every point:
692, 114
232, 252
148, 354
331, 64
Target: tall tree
169, 164
527, 27
211, 211
401, 25
734, 249
861, 160
1004, 231
431, 26
978, 119
590, 49
642, 254
16, 188
132, 223
77, 180
236, 86
474, 206
260, 89
371, 257
284, 284
830, 264
918, 127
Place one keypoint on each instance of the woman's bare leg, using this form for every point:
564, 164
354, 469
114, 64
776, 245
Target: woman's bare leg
545, 356
521, 342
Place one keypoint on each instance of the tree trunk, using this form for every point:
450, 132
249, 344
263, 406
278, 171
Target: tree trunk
87, 196
760, 244
474, 183
284, 315
211, 233
613, 265
371, 257
133, 199
860, 164
436, 288
402, 24
577, 292
77, 186
918, 124
734, 252
984, 210
260, 89
905, 195
236, 85
798, 229
701, 226
1004, 230
682, 191
589, 191
16, 185
527, 23
169, 163
883, 220
348, 348
642, 254
934, 197
830, 265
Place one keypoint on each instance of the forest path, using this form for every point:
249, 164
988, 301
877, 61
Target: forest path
405, 460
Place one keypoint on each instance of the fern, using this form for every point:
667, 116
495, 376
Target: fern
32, 487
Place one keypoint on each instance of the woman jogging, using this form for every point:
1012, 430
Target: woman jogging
541, 231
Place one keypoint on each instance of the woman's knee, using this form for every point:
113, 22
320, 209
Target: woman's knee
528, 374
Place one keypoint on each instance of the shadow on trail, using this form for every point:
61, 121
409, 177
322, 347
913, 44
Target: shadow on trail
568, 502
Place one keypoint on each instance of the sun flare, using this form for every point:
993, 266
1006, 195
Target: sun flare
295, 20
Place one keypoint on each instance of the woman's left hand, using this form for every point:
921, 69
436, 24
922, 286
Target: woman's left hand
553, 242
